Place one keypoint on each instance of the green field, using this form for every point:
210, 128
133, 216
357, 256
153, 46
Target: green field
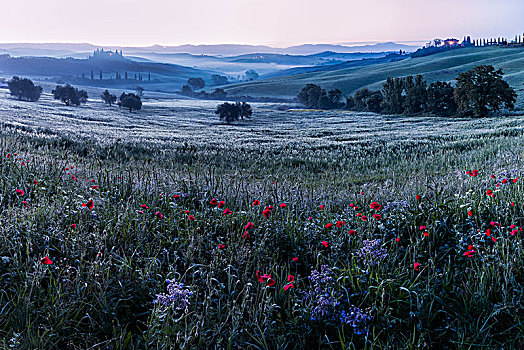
444, 66
153, 177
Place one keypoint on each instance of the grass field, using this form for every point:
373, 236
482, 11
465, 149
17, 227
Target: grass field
343, 230
444, 66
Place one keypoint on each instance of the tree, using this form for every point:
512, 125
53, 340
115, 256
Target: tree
230, 112
24, 89
334, 97
481, 90
108, 98
70, 95
218, 94
245, 110
196, 83
187, 91
130, 101
392, 90
252, 75
415, 94
310, 95
219, 79
440, 99
366, 100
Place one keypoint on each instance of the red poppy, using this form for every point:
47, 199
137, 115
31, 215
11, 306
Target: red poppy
469, 253
325, 244
470, 247
493, 223
470, 213
159, 215
492, 176
249, 226
422, 228
513, 232
418, 197
214, 201
513, 226
73, 226
221, 204
328, 225
46, 261
295, 259
375, 205
143, 206
191, 218
515, 180
256, 202
488, 232
20, 192
283, 205
140, 211
186, 211
259, 277
426, 233
266, 212
310, 218
35, 182
505, 181
489, 192
351, 205
94, 187
397, 239
25, 203
494, 239
364, 218
512, 204
352, 232
246, 235
227, 211
221, 246
289, 286
176, 196
416, 266
270, 282
322, 207
90, 205
377, 216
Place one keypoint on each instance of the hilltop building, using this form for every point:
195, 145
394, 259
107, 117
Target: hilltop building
100, 53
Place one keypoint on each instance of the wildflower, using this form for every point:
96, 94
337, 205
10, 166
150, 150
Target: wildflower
176, 196
351, 205
227, 211
515, 180
422, 228
186, 211
375, 205
249, 226
266, 212
356, 318
256, 203
512, 204
426, 233
364, 218
469, 253
20, 192
283, 205
159, 215
377, 216
310, 218
140, 211
494, 239
416, 266
295, 259
46, 261
489, 192
322, 207
177, 296
493, 223
514, 232
397, 239
95, 187
35, 182
90, 205
288, 286
221, 204
213, 202
25, 203
470, 213
492, 176
418, 197
352, 232
73, 226
191, 218
143, 206
265, 278
339, 223
488, 232
221, 246
328, 225
371, 252
325, 244
246, 235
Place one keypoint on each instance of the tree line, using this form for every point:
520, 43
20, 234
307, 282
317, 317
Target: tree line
477, 92
25, 89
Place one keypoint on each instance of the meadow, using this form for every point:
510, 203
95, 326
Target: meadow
297, 229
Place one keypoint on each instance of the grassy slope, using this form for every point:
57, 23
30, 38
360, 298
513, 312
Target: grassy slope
444, 66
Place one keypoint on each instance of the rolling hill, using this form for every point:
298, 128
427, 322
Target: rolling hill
444, 66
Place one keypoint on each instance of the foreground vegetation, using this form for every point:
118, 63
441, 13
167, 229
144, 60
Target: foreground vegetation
354, 231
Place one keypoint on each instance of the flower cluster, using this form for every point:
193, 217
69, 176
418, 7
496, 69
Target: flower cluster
371, 252
356, 318
177, 296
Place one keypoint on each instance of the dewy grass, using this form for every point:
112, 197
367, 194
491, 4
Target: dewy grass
130, 221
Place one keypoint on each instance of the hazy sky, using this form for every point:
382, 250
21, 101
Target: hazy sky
277, 22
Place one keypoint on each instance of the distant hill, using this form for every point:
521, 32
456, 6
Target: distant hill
72, 70
443, 66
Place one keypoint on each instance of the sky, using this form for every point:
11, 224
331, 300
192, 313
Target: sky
271, 22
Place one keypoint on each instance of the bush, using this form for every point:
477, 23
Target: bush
24, 89
130, 101
108, 98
